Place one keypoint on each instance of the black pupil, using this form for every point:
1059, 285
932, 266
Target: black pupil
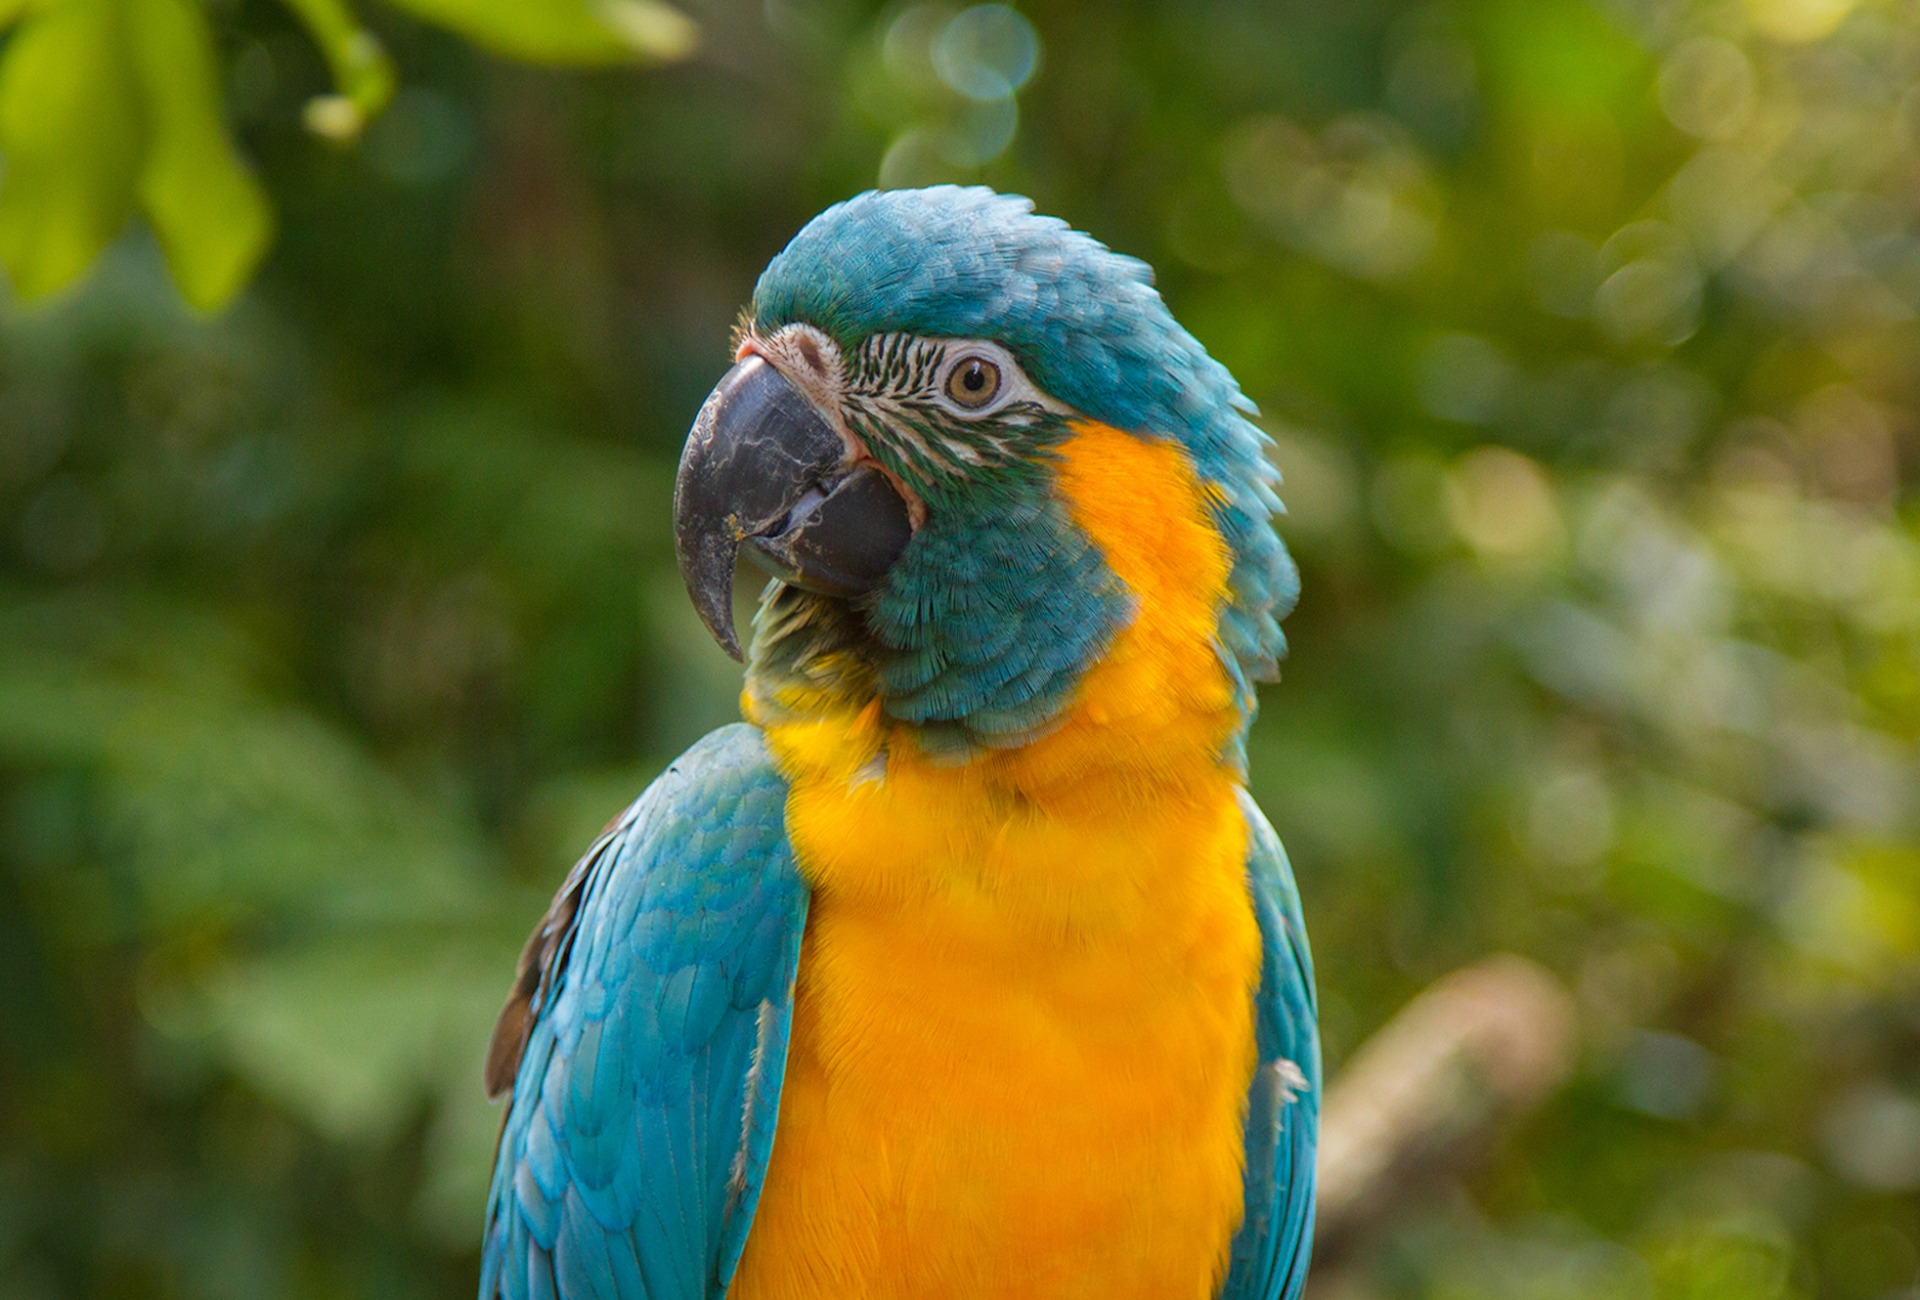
975, 377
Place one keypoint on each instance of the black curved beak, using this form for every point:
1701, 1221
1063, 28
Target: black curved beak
762, 469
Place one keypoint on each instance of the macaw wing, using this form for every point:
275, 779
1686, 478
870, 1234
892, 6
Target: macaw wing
1269, 1257
645, 1042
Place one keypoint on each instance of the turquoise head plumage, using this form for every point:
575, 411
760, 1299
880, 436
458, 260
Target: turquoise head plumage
946, 339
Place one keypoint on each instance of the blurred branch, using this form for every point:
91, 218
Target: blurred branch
1426, 1095
363, 76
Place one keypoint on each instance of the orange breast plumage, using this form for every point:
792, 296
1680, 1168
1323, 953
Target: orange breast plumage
1023, 1026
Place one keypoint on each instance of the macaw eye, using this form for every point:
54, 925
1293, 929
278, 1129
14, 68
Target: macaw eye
973, 382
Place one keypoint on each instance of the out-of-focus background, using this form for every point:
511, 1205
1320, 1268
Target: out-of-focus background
335, 622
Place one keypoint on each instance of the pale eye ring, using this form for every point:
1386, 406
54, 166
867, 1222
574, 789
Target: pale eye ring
973, 382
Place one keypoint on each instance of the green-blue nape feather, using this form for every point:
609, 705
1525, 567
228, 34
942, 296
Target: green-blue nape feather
989, 619
1089, 328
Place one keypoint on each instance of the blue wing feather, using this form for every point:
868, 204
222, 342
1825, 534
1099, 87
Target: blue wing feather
1269, 1256
646, 1041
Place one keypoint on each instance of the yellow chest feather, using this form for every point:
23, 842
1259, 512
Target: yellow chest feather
1023, 1025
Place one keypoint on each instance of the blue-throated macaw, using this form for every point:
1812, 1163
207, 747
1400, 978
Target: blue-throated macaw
966, 967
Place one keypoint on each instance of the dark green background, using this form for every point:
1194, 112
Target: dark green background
332, 628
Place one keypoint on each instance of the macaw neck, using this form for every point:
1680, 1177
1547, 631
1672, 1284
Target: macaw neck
1114, 653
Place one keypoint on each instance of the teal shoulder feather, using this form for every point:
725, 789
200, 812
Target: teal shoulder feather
651, 1027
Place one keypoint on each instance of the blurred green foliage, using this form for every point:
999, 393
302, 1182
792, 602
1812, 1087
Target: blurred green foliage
108, 106
332, 628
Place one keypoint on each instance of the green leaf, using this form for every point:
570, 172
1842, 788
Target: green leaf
212, 218
565, 31
363, 76
71, 137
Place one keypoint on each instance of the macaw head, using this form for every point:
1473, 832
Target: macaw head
947, 419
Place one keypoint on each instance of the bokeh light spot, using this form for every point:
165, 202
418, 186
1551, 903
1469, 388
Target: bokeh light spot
1707, 88
1501, 503
1872, 1136
422, 138
1667, 1076
1799, 20
987, 52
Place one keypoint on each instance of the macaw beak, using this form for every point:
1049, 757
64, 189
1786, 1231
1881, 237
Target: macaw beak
763, 470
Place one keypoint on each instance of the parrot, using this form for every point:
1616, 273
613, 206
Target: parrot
965, 965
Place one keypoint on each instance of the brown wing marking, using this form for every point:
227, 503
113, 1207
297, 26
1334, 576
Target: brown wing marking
540, 964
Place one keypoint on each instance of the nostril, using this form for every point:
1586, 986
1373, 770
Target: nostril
803, 509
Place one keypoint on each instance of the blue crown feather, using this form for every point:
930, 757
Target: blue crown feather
1088, 327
